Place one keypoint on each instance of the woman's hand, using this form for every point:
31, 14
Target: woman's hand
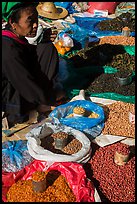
50, 34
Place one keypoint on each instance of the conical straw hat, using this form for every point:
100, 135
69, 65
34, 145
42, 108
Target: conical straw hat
49, 10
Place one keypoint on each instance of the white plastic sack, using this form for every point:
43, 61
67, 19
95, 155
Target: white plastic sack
38, 152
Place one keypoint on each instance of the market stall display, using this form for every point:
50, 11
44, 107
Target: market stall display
117, 119
100, 67
85, 150
59, 191
67, 181
43, 147
116, 182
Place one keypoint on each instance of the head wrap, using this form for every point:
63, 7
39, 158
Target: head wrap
9, 7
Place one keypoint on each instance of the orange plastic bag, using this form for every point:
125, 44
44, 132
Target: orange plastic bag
73, 172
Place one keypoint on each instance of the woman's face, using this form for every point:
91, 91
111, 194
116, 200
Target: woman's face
28, 23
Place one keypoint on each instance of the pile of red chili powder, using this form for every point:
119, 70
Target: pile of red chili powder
117, 183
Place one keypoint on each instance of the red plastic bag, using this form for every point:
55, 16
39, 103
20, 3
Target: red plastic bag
73, 172
110, 6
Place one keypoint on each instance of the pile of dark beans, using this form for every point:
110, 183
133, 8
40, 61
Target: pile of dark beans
105, 55
108, 83
123, 62
116, 24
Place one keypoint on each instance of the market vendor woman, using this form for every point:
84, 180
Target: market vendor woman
27, 70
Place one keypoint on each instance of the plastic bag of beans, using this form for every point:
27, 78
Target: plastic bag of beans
74, 173
15, 155
91, 125
81, 149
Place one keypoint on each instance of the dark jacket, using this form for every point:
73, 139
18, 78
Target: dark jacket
24, 85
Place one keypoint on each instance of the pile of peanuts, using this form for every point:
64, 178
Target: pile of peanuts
117, 40
117, 183
59, 191
117, 119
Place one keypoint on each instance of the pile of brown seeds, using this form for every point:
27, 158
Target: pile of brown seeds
117, 119
122, 62
73, 145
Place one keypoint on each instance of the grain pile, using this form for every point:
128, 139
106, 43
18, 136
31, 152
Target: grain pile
57, 191
117, 119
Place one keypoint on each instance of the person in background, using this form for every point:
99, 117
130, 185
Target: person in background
27, 70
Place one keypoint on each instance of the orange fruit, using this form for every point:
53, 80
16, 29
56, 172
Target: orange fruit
62, 51
67, 48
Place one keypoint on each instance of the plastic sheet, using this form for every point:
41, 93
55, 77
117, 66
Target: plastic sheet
15, 155
108, 95
66, 5
130, 50
89, 22
87, 26
73, 172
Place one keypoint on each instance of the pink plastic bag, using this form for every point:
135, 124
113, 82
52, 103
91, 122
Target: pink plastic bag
73, 172
110, 6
